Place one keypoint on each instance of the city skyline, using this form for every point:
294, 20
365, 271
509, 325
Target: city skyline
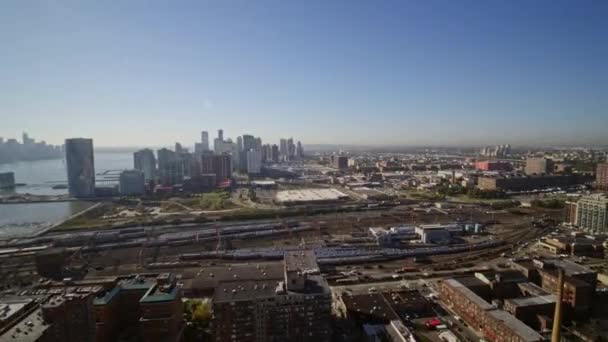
437, 73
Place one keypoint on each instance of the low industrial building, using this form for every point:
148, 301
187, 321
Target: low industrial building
495, 324
527, 183
309, 196
433, 233
579, 282
575, 246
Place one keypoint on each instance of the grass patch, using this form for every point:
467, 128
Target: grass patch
218, 200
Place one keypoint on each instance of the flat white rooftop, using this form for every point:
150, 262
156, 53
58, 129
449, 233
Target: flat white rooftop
309, 195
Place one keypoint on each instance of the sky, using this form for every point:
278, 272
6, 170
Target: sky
150, 73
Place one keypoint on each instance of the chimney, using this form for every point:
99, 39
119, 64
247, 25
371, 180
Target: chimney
557, 319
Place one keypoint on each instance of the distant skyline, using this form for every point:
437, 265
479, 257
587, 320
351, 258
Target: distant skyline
151, 73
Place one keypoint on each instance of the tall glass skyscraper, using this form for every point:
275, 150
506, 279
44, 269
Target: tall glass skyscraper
81, 167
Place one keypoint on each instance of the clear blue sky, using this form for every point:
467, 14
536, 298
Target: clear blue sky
348, 72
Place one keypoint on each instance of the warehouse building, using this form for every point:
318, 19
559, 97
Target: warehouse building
309, 196
495, 324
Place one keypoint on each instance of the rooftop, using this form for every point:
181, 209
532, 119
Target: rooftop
9, 307
310, 195
526, 333
458, 286
29, 329
531, 301
303, 261
233, 291
160, 293
570, 268
373, 305
210, 277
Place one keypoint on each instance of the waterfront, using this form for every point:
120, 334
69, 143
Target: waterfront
17, 220
40, 176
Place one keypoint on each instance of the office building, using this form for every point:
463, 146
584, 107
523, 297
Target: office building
299, 150
7, 180
145, 161
81, 167
592, 213
294, 308
539, 166
131, 182
204, 141
254, 161
601, 176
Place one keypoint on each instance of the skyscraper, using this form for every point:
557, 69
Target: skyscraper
81, 167
299, 150
283, 149
145, 161
205, 141
291, 149
275, 154
218, 143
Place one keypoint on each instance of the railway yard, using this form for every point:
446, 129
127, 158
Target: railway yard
341, 241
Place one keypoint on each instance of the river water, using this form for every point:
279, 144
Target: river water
17, 220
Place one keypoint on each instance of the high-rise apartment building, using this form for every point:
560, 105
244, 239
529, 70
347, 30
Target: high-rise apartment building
275, 155
539, 166
592, 213
218, 164
171, 167
81, 167
254, 161
145, 161
601, 176
296, 308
